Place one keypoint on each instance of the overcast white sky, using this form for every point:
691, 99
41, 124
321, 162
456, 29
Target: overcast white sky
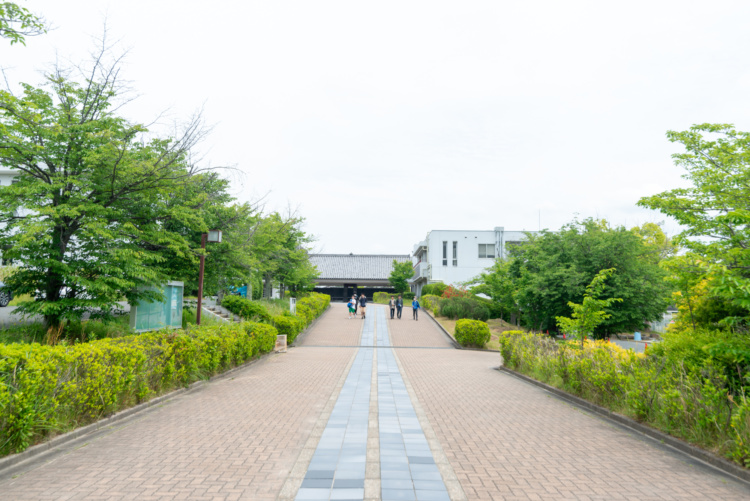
383, 120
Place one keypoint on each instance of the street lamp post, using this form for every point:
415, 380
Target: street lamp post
211, 236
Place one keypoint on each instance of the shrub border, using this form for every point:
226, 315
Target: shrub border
452, 339
726, 467
13, 464
307, 329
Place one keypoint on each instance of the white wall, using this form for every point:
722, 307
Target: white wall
468, 263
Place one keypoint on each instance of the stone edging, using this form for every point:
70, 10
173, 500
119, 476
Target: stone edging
445, 332
14, 463
308, 328
452, 339
717, 462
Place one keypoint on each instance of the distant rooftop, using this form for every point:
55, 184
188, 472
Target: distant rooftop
356, 266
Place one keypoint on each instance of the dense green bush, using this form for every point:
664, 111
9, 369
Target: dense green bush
430, 303
407, 295
472, 333
381, 297
494, 307
312, 306
249, 310
435, 289
463, 307
288, 325
668, 387
45, 389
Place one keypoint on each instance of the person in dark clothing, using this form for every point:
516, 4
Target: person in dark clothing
415, 308
392, 305
399, 306
363, 305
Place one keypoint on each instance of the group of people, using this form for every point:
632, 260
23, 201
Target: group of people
396, 305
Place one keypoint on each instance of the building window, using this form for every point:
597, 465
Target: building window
487, 251
445, 253
455, 253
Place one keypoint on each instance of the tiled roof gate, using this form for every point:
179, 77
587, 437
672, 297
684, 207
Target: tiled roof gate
353, 267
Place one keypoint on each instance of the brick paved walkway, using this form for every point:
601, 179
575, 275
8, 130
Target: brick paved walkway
244, 437
506, 439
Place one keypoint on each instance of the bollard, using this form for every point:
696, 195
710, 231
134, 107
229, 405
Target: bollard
563, 336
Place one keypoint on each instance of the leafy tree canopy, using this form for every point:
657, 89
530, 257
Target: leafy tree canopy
550, 270
591, 312
16, 23
400, 275
715, 209
92, 212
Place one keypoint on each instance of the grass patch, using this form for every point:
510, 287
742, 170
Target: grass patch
72, 332
189, 317
20, 299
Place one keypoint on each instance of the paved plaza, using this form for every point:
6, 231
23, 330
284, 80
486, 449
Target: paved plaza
369, 409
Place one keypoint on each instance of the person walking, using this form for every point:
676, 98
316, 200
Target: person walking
351, 305
392, 305
355, 302
399, 306
363, 305
415, 308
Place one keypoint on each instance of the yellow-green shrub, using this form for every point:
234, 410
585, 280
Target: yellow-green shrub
472, 332
289, 326
382, 297
56, 388
671, 393
430, 302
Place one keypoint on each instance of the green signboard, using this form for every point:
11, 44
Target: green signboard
154, 316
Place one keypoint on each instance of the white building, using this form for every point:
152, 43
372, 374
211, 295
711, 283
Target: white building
454, 256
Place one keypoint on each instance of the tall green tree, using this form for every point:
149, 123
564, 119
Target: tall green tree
550, 270
17, 23
88, 217
715, 210
591, 312
400, 275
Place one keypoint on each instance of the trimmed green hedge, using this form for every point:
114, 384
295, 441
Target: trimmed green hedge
463, 307
249, 310
472, 333
311, 307
289, 325
46, 389
695, 403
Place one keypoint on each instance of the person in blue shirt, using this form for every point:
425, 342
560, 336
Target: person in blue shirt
415, 308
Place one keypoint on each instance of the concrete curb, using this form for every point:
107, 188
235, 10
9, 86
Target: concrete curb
10, 465
445, 332
727, 467
452, 339
307, 329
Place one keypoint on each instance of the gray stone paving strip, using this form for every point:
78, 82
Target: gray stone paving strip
408, 468
455, 491
297, 475
372, 467
337, 468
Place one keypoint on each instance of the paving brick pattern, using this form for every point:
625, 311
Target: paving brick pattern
408, 332
334, 329
232, 439
337, 467
407, 467
506, 439
244, 437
